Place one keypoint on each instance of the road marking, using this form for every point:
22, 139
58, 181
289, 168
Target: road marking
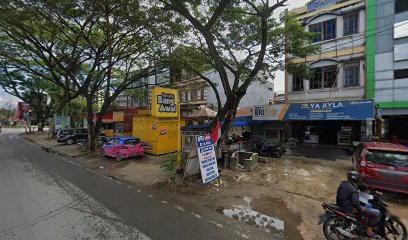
150, 195
128, 186
165, 202
196, 215
179, 208
139, 190
217, 224
245, 236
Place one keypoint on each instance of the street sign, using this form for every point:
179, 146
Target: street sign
62, 122
207, 158
192, 165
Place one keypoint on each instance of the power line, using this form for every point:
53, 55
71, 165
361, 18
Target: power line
363, 37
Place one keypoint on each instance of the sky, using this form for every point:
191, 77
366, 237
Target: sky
6, 98
279, 79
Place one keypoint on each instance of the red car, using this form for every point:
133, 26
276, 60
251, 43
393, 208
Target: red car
123, 147
383, 165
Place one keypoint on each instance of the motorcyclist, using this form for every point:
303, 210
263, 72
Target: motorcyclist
348, 199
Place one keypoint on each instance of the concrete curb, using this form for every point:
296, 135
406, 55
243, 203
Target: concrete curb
53, 150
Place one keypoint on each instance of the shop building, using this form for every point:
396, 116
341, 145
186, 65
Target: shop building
387, 65
338, 80
328, 122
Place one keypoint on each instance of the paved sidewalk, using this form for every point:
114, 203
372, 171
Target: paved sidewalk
51, 145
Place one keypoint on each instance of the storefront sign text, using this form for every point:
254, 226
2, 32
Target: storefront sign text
332, 110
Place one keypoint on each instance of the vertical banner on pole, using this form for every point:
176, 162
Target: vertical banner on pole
207, 158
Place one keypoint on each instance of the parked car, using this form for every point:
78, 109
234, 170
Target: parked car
383, 165
73, 135
123, 147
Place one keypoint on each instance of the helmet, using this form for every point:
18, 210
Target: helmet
354, 176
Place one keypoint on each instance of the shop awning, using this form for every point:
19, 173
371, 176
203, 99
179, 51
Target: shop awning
238, 122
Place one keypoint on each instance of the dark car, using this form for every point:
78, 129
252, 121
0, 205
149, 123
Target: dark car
383, 165
72, 135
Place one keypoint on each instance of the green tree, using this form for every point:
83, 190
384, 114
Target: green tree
241, 37
28, 88
93, 49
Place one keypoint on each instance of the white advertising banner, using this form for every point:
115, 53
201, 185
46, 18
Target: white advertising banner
207, 158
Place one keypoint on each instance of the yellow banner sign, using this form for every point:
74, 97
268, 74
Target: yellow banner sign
164, 102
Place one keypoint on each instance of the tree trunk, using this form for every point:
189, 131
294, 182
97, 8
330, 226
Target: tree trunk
227, 113
94, 127
91, 128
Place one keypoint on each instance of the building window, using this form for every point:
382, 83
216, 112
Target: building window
350, 21
316, 81
352, 74
401, 6
316, 28
327, 30
324, 77
194, 95
297, 83
185, 97
401, 73
202, 94
329, 76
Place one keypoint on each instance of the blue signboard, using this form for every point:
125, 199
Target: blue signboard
331, 110
316, 4
207, 158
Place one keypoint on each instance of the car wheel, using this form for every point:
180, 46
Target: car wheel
355, 165
118, 157
70, 141
102, 152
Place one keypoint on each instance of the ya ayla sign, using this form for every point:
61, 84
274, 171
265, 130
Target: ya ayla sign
164, 102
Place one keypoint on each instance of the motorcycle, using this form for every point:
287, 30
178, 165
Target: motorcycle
83, 144
269, 150
339, 225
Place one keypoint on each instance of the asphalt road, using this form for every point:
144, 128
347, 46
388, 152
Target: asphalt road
44, 196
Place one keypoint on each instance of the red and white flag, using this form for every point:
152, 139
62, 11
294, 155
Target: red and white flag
216, 134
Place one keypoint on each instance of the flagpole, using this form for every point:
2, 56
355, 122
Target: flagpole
179, 167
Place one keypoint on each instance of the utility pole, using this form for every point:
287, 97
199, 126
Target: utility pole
10, 113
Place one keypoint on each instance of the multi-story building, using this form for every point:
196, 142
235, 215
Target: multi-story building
195, 92
138, 95
338, 74
387, 63
339, 63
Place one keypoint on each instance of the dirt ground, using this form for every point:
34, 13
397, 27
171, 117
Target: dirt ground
293, 188
282, 197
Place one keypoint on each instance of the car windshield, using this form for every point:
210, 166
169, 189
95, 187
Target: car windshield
132, 141
397, 159
65, 132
